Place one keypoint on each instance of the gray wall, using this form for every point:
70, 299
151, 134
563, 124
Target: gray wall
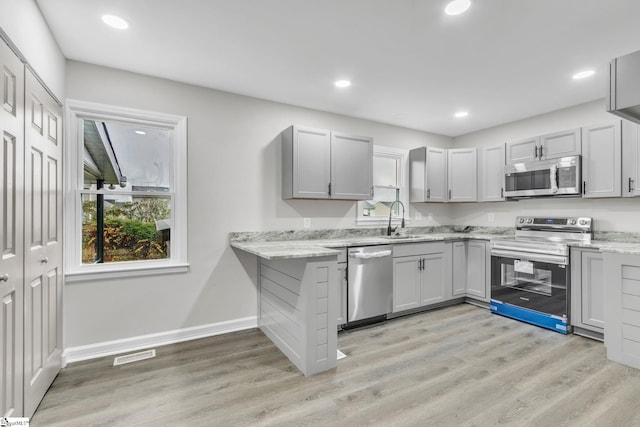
608, 214
234, 185
22, 22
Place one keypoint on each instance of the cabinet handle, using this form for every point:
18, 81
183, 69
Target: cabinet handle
4, 277
422, 261
536, 152
502, 192
584, 187
329, 188
449, 194
429, 193
541, 152
372, 191
630, 187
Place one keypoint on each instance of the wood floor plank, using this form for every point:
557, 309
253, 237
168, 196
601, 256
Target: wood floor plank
459, 365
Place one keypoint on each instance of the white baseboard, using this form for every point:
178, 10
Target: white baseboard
108, 348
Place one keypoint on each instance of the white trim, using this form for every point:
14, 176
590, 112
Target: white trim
403, 184
124, 270
108, 348
76, 111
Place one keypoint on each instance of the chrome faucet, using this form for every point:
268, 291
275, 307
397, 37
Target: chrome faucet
389, 229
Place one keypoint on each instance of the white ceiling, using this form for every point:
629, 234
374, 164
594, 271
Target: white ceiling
411, 65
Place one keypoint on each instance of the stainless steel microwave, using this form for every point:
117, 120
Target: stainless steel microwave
553, 177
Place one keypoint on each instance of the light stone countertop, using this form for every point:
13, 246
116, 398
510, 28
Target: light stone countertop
318, 243
289, 249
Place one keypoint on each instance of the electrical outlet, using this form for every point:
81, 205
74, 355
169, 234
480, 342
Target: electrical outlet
307, 223
418, 216
491, 217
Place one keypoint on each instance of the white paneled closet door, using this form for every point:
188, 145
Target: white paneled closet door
11, 236
43, 244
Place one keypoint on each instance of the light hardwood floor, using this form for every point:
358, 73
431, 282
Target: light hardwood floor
460, 365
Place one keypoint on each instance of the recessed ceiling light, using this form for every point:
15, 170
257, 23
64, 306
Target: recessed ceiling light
457, 7
583, 74
461, 114
141, 132
342, 83
115, 22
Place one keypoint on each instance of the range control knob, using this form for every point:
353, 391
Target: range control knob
529, 221
521, 220
583, 222
573, 221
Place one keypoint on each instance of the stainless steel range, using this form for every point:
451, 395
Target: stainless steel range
530, 273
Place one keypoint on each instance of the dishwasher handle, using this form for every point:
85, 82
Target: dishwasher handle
369, 255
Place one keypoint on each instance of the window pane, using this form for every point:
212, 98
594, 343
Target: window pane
126, 156
382, 200
385, 171
135, 228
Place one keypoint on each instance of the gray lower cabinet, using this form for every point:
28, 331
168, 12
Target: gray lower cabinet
587, 292
321, 164
471, 270
422, 275
622, 307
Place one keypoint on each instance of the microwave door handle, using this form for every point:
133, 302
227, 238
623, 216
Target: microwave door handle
554, 178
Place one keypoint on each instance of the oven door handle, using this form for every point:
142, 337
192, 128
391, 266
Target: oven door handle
528, 256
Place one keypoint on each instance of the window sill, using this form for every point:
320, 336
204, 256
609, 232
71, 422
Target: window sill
119, 271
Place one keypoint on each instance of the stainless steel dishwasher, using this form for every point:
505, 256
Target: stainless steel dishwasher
370, 282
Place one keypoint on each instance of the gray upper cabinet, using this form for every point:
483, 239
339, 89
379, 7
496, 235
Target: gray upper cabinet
320, 164
491, 173
351, 167
602, 160
560, 144
631, 159
462, 174
524, 150
550, 146
428, 174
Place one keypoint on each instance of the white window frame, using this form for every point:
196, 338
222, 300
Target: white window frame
76, 112
403, 181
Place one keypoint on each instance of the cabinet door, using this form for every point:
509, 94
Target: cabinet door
43, 243
459, 268
491, 174
477, 269
462, 174
436, 174
12, 236
602, 160
592, 288
630, 159
436, 278
406, 283
342, 294
306, 163
560, 144
524, 150
418, 175
351, 167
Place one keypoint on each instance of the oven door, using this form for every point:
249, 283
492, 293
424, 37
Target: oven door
537, 282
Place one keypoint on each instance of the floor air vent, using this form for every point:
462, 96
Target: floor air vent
134, 357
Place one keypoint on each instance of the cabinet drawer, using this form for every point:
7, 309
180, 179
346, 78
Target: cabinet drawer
411, 249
